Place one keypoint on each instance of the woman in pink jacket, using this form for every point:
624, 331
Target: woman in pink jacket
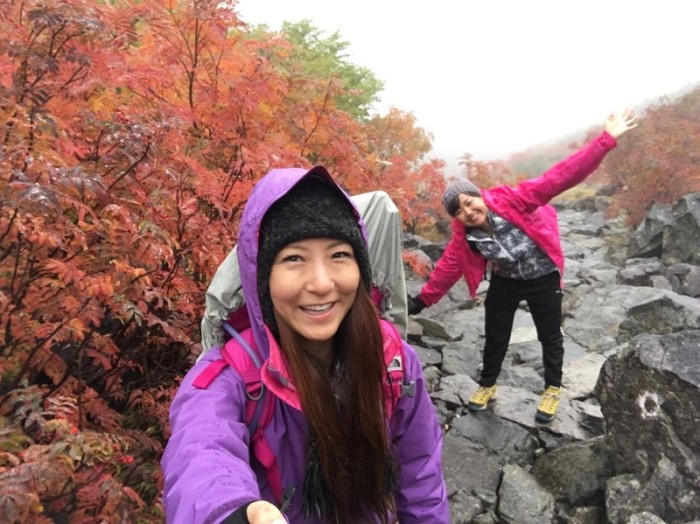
515, 230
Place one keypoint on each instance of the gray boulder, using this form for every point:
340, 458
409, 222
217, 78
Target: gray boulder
682, 238
647, 240
650, 397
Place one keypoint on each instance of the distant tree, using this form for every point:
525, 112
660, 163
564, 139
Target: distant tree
396, 134
532, 163
536, 160
422, 208
659, 161
485, 173
398, 148
313, 55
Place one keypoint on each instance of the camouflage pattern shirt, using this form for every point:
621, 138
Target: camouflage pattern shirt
511, 252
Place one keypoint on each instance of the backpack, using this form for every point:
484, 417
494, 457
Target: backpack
240, 353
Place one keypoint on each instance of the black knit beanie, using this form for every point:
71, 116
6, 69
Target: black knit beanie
311, 209
450, 199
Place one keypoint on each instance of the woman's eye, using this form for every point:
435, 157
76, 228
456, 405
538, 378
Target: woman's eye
342, 254
292, 258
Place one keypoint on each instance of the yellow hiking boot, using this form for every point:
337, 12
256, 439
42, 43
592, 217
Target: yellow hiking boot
548, 404
481, 397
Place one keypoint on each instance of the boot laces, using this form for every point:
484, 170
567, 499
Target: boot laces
549, 399
483, 394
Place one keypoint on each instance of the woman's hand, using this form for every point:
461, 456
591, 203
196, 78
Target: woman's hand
619, 123
262, 512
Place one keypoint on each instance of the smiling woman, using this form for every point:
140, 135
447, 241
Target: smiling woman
311, 255
313, 285
346, 443
514, 231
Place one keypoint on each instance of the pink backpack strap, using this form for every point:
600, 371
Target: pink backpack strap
395, 385
240, 353
209, 373
261, 447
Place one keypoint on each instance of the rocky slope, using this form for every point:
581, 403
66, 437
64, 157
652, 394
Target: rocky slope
625, 446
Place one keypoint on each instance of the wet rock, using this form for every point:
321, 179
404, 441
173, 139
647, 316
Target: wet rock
682, 237
577, 473
650, 398
522, 500
647, 240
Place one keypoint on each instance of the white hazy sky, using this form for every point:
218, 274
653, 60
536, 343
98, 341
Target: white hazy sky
492, 77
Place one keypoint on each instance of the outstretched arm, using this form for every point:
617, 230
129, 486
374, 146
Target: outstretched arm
573, 170
206, 468
619, 123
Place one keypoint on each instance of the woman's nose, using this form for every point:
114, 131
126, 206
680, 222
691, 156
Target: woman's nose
319, 279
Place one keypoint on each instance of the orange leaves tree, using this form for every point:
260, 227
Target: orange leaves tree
327, 101
94, 272
486, 173
399, 167
132, 135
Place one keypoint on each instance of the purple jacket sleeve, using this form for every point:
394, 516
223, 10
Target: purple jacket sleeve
205, 464
417, 437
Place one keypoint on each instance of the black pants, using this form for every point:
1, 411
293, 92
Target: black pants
543, 297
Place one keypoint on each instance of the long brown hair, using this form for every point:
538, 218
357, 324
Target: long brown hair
346, 414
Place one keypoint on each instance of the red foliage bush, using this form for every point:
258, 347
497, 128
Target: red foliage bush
133, 133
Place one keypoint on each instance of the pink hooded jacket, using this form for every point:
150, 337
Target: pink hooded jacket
525, 206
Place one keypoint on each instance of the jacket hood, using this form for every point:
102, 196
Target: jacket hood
266, 192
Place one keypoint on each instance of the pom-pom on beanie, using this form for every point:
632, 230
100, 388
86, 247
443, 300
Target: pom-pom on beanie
313, 208
450, 200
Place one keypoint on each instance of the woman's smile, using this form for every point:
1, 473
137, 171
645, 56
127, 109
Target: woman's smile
317, 309
313, 284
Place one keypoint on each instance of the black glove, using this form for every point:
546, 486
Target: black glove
415, 304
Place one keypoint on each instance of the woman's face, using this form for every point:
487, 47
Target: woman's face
313, 284
472, 211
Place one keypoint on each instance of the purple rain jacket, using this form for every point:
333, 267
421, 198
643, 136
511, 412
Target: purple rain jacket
206, 464
524, 206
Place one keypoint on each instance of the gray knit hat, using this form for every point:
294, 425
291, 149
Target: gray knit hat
450, 199
313, 208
